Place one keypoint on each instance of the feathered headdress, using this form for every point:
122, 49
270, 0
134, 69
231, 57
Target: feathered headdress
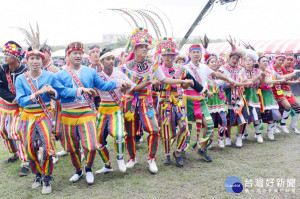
208, 53
33, 40
250, 52
234, 50
140, 35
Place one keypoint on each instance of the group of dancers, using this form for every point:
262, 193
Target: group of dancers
162, 95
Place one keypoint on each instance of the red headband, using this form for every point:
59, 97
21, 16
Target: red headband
73, 49
39, 53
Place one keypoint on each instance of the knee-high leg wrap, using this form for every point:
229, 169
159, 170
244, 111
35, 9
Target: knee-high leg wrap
285, 116
258, 126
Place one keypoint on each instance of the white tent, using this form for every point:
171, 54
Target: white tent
59, 53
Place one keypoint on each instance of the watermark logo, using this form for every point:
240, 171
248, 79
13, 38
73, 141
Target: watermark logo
233, 185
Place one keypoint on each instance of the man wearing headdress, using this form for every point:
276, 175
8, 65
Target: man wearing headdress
172, 112
9, 109
78, 117
197, 110
140, 69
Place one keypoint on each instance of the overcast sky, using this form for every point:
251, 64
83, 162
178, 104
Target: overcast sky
64, 21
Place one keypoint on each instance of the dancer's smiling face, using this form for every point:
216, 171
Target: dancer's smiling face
35, 62
75, 57
263, 63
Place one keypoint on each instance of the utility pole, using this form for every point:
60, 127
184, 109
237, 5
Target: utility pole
199, 18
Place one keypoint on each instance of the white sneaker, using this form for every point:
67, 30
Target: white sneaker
37, 182
62, 153
259, 138
47, 189
276, 130
283, 128
239, 141
54, 159
295, 130
131, 163
245, 137
221, 143
104, 170
121, 165
227, 141
75, 177
152, 166
89, 177
270, 135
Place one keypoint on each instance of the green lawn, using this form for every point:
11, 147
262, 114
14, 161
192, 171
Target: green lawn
278, 159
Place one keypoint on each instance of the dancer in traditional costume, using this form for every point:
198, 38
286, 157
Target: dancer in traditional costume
287, 69
216, 105
34, 91
269, 108
171, 105
237, 109
78, 117
251, 92
9, 109
197, 110
110, 116
276, 65
139, 70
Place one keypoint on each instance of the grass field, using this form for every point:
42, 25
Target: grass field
278, 159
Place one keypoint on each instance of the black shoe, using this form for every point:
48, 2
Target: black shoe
167, 160
204, 155
11, 159
24, 171
183, 155
179, 160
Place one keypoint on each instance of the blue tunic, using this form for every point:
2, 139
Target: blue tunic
89, 79
24, 90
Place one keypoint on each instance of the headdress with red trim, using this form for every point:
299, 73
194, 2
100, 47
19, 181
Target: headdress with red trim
33, 40
234, 50
75, 46
208, 53
14, 50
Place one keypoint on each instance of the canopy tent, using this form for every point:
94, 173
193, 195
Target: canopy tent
59, 53
286, 46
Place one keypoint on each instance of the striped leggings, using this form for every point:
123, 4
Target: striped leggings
149, 124
71, 137
111, 124
36, 134
10, 125
168, 131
